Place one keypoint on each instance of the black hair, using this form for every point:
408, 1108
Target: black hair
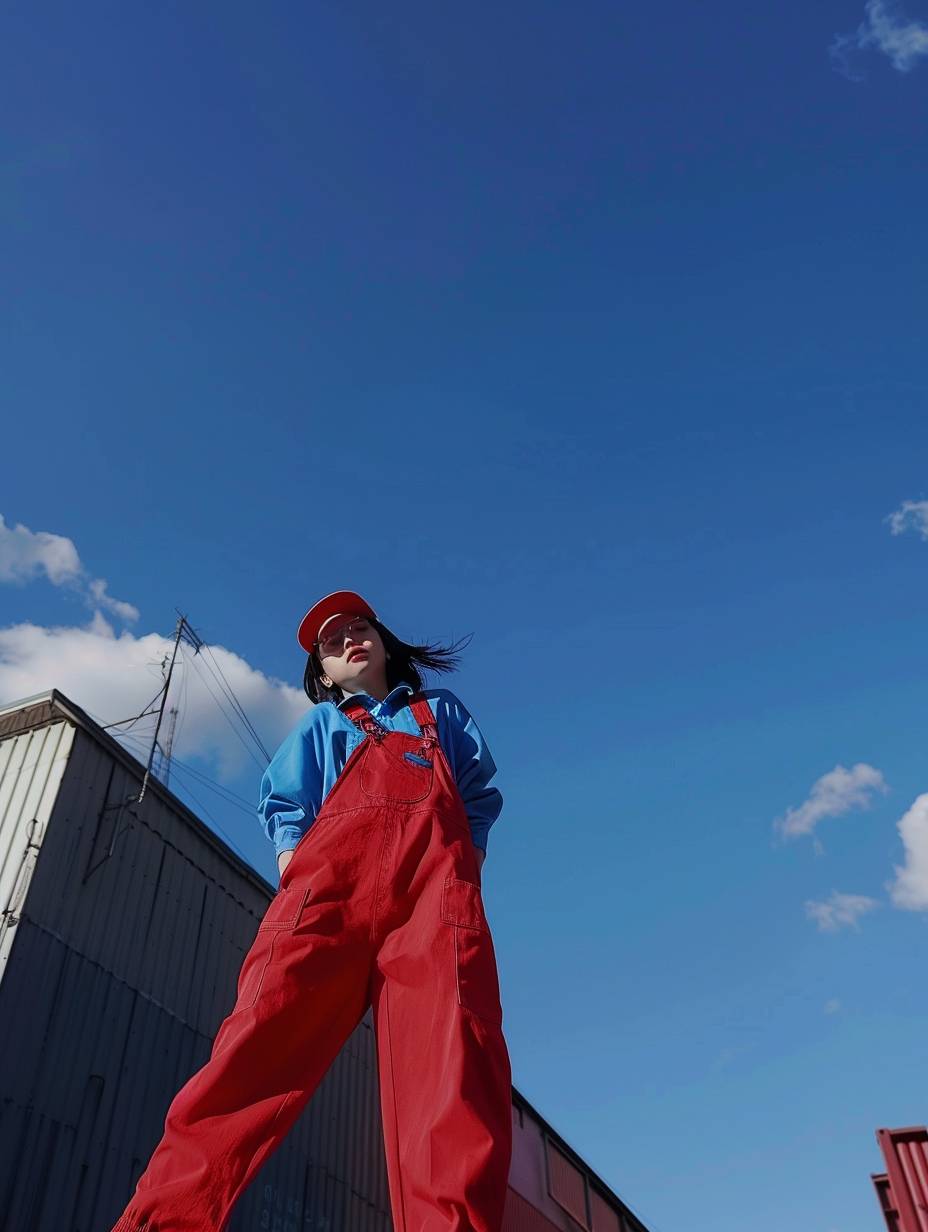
403, 666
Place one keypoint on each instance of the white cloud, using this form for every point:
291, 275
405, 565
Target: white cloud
910, 888
885, 30
835, 793
26, 555
125, 611
839, 911
832, 1006
114, 678
911, 515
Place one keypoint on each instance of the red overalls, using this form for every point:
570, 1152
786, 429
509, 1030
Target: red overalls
380, 905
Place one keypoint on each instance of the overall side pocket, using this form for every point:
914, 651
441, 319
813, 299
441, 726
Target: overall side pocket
283, 912
474, 956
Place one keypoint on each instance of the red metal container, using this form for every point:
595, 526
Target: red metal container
902, 1191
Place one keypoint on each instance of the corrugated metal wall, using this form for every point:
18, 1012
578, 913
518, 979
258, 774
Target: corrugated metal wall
124, 931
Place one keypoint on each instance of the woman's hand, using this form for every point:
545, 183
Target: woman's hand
284, 859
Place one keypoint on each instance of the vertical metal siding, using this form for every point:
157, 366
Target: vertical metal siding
31, 766
605, 1217
906, 1155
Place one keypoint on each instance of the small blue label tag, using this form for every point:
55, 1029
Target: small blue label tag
420, 761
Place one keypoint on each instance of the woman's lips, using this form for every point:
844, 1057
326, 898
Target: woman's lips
357, 654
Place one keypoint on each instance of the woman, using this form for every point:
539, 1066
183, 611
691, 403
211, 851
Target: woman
378, 806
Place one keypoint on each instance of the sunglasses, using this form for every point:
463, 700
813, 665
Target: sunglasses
333, 643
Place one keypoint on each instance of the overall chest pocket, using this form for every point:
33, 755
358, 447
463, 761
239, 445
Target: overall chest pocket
396, 770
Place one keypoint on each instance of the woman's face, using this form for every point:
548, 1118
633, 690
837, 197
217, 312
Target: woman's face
357, 663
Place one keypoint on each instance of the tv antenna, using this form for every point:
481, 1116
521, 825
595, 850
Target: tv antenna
183, 633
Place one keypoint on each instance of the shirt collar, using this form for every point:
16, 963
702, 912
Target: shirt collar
394, 700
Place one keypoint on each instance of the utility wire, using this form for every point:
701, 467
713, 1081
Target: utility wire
186, 790
240, 709
212, 665
144, 712
219, 676
239, 736
199, 803
186, 635
230, 797
140, 739
226, 793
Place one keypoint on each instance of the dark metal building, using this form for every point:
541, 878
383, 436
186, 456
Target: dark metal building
122, 932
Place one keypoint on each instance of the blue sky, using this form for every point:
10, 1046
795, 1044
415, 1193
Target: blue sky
598, 333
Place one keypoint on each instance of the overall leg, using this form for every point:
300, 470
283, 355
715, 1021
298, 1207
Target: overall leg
445, 1078
302, 989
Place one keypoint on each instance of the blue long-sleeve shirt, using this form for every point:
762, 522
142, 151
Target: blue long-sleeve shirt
310, 759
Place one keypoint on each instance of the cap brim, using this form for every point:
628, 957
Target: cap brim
339, 601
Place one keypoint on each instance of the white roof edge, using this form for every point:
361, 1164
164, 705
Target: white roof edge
45, 696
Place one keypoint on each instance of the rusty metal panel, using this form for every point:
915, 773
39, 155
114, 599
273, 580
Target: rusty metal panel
605, 1217
521, 1216
906, 1154
550, 1177
566, 1184
884, 1195
24, 715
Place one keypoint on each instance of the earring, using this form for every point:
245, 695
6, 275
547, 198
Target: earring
388, 654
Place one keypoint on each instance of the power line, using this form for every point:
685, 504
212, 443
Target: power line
185, 634
228, 717
226, 793
241, 710
220, 678
199, 803
184, 788
193, 639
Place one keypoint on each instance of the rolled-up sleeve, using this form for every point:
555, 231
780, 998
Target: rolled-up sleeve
291, 790
473, 767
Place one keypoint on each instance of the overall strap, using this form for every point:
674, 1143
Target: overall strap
422, 711
362, 717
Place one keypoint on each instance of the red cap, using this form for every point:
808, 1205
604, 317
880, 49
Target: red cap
339, 601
